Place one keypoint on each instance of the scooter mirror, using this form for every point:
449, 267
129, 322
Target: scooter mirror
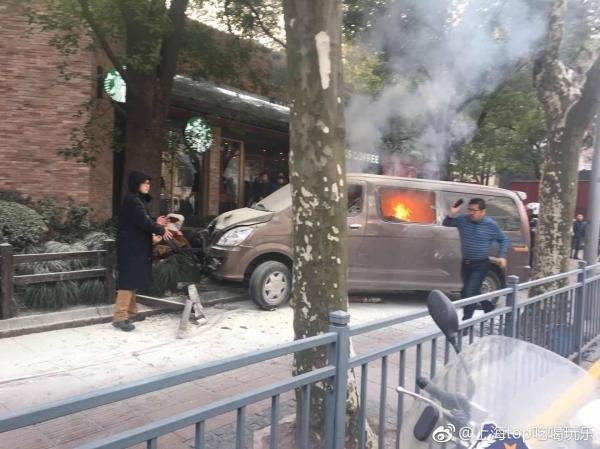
444, 314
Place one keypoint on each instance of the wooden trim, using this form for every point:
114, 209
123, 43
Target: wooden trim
242, 169
29, 279
29, 258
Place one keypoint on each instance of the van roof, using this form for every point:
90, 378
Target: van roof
459, 186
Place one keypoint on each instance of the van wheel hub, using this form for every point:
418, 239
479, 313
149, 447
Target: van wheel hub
275, 286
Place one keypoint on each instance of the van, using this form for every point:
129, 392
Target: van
396, 241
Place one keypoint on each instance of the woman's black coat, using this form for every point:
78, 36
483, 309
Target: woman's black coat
134, 238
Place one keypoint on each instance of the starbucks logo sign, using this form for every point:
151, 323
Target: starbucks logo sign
114, 86
198, 135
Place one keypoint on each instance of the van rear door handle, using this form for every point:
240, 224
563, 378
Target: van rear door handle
355, 226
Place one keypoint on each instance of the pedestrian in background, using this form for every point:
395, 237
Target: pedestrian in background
579, 227
477, 234
134, 249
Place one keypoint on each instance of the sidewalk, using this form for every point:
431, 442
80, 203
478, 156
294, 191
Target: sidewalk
54, 365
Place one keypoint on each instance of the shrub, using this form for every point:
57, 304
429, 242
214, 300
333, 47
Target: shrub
51, 295
168, 272
94, 241
19, 225
13, 196
91, 291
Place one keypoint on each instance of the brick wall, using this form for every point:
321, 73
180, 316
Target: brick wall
37, 108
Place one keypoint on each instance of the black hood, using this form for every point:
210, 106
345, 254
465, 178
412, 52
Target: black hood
135, 179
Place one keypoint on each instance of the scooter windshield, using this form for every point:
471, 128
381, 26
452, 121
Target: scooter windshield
507, 393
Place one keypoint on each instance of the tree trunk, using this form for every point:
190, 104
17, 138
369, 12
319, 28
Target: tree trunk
569, 102
149, 94
144, 140
317, 175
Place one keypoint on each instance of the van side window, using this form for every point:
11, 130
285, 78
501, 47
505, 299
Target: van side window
355, 199
504, 211
407, 205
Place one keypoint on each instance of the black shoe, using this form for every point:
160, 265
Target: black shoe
124, 325
137, 317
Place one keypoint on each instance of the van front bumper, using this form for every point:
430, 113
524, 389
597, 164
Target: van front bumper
225, 263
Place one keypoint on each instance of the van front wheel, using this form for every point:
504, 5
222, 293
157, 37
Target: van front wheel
270, 285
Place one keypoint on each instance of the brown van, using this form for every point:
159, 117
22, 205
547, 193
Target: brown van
388, 219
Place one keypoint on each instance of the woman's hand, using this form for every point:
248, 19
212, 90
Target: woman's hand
162, 220
168, 235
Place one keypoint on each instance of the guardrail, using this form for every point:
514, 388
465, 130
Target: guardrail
9, 280
565, 320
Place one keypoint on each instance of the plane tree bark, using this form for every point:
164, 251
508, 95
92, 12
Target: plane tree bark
570, 100
319, 202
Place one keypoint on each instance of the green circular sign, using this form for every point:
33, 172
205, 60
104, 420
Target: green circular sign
114, 86
198, 135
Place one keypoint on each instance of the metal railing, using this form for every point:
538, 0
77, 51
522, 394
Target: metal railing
564, 320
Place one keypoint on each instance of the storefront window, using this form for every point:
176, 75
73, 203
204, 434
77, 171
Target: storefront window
182, 180
231, 190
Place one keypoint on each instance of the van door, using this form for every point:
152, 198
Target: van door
397, 253
357, 220
448, 253
504, 211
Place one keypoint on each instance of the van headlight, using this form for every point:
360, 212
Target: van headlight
235, 236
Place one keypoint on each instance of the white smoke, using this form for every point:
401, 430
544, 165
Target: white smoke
445, 55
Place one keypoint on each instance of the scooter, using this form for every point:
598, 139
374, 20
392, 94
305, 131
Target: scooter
501, 393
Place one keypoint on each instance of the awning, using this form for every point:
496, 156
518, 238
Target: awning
207, 98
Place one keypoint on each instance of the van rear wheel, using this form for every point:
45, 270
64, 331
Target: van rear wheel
270, 285
491, 283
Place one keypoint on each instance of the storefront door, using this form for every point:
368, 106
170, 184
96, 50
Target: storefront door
231, 192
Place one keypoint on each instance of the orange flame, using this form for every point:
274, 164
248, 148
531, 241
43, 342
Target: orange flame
401, 212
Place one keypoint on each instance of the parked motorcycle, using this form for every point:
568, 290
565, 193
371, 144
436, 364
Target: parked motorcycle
501, 393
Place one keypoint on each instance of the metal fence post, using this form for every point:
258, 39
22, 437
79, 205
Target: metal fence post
110, 263
511, 301
8, 286
580, 298
338, 322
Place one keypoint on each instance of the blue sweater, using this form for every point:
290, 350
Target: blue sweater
476, 238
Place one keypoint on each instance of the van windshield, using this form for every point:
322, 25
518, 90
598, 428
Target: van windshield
277, 201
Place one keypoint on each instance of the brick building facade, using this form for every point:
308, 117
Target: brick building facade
40, 110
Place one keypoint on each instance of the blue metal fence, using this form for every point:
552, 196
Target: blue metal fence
564, 320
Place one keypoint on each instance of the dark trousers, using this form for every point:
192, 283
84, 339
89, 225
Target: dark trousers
473, 273
575, 245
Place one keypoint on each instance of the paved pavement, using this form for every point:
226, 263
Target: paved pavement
49, 366
43, 367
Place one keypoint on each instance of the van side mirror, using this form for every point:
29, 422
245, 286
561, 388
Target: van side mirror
444, 315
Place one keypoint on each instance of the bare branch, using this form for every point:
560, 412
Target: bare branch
265, 30
584, 111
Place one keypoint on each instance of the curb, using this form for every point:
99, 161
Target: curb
85, 316
31, 324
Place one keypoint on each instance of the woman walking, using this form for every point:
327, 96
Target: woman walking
134, 249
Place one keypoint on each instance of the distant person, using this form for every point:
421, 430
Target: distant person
579, 227
262, 187
280, 181
477, 234
533, 210
134, 249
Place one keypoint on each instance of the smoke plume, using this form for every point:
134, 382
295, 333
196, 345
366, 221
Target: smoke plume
444, 56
